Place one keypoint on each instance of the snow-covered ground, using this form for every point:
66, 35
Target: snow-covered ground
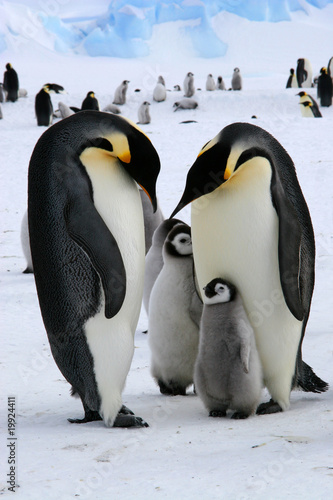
183, 454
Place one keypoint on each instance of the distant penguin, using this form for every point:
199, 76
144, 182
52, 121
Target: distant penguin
154, 259
87, 244
1, 114
11, 83
304, 73
151, 219
2, 93
159, 92
330, 67
177, 88
236, 80
120, 93
220, 83
189, 89
227, 373
308, 110
25, 243
173, 334
185, 104
90, 102
325, 88
292, 80
64, 110
43, 103
251, 225
22, 92
143, 113
210, 82
112, 108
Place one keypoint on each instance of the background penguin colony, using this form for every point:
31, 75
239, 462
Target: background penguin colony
187, 101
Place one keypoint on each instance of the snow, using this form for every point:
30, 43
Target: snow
183, 454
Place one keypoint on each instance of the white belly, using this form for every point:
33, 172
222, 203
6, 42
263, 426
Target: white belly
111, 341
235, 237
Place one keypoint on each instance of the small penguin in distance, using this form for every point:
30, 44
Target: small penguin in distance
210, 83
111, 108
236, 80
292, 80
220, 83
325, 88
143, 113
154, 259
90, 102
177, 88
11, 83
159, 92
120, 93
1, 114
64, 110
185, 104
304, 73
227, 373
173, 332
2, 93
189, 89
43, 103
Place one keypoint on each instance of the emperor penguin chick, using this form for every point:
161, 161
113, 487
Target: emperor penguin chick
227, 372
189, 85
173, 334
143, 113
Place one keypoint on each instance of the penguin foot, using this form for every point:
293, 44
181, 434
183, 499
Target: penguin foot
172, 389
238, 415
129, 420
218, 413
125, 411
28, 270
270, 407
90, 416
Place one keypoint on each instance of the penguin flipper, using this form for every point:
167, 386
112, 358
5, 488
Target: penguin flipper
245, 349
86, 227
290, 233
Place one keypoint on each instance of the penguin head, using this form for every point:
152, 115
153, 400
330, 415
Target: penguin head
178, 243
302, 94
306, 104
292, 71
323, 71
8, 66
219, 290
220, 158
54, 88
94, 134
236, 70
91, 94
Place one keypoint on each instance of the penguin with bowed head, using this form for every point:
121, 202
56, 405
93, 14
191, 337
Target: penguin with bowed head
227, 372
87, 244
220, 83
11, 83
173, 307
309, 106
304, 73
90, 102
250, 224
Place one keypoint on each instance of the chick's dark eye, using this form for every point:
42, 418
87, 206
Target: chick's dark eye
183, 240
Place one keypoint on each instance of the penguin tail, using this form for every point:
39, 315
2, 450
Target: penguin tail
308, 381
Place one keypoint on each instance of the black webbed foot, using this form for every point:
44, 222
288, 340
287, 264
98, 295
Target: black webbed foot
270, 407
218, 413
171, 389
125, 411
89, 416
238, 415
129, 420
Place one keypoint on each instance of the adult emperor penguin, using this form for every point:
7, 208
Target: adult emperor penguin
304, 73
11, 83
227, 373
154, 258
43, 103
189, 89
246, 196
87, 245
90, 102
292, 80
325, 88
309, 106
236, 80
210, 82
120, 93
173, 324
